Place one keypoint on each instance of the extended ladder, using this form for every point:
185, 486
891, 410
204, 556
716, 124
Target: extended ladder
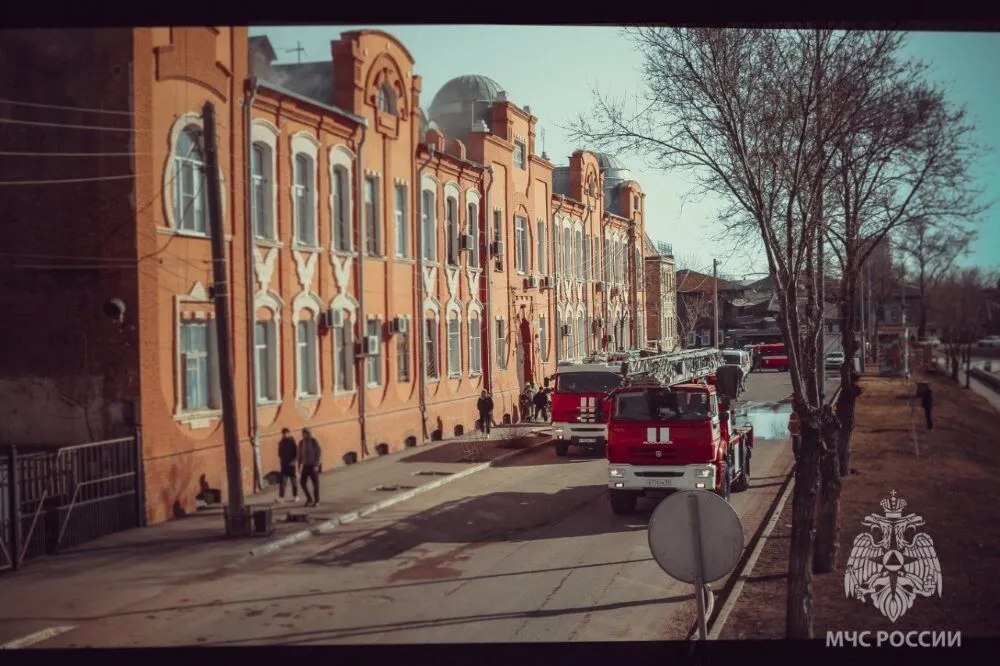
673, 367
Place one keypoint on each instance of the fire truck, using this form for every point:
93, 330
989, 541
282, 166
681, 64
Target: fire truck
773, 357
579, 417
671, 428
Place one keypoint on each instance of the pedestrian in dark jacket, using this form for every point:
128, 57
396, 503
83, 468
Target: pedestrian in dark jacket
288, 453
927, 402
311, 461
485, 407
541, 402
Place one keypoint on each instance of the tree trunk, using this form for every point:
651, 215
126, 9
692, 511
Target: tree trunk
830, 485
968, 363
799, 603
954, 363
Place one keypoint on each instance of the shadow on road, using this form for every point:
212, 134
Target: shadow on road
325, 635
478, 521
546, 455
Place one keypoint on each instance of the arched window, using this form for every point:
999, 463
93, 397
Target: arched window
266, 357
454, 345
190, 196
343, 352
341, 214
305, 207
260, 197
473, 222
428, 224
386, 98
307, 358
451, 210
475, 345
431, 345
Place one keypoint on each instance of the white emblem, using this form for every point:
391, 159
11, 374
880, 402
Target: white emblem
890, 569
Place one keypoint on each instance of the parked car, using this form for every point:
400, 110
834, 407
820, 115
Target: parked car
989, 341
835, 359
933, 342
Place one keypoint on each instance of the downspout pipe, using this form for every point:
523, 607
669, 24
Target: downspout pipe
359, 169
488, 272
555, 279
419, 319
250, 95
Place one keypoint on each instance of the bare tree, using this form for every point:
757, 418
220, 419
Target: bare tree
692, 307
962, 302
901, 160
932, 250
738, 109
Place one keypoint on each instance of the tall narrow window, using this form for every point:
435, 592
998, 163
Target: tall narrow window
520, 155
586, 257
578, 252
428, 225
451, 209
475, 345
190, 204
260, 196
581, 336
570, 342
498, 237
374, 360
543, 337
567, 253
343, 356
386, 99
605, 260
403, 357
341, 215
473, 224
521, 244
196, 361
557, 263
373, 240
305, 220
305, 344
541, 256
454, 346
402, 223
431, 347
501, 344
265, 356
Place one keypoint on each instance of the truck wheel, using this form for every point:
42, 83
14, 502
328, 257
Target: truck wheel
623, 502
742, 481
562, 447
723, 490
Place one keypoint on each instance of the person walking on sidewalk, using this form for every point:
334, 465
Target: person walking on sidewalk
288, 453
927, 401
310, 460
485, 407
541, 401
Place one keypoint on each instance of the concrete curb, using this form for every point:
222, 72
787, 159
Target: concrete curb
716, 627
343, 519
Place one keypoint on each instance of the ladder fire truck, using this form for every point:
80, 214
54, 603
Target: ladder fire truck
670, 428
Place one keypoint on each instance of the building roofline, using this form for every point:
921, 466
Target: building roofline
273, 87
444, 153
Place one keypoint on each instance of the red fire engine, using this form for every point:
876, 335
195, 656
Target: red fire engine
578, 401
670, 429
773, 357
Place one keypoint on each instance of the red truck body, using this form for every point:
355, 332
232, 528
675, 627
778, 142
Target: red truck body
579, 408
773, 357
664, 439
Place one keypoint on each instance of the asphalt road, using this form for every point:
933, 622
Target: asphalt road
526, 552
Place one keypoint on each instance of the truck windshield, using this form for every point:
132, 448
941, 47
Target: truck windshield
587, 382
733, 358
661, 405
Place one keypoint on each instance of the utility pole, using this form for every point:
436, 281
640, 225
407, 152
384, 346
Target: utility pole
220, 294
715, 303
864, 325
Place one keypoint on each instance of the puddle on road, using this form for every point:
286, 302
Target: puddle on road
770, 421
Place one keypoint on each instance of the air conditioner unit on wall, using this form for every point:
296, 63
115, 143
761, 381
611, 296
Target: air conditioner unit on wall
564, 330
496, 248
545, 283
530, 282
399, 325
371, 344
334, 318
466, 242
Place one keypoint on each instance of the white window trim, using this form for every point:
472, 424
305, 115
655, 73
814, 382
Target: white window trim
380, 218
407, 221
453, 191
304, 143
475, 308
502, 361
430, 184
541, 243
435, 308
261, 131
453, 309
199, 295
409, 351
473, 197
381, 341
345, 302
307, 301
341, 156
272, 301
183, 121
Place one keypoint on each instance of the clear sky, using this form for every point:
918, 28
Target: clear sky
553, 69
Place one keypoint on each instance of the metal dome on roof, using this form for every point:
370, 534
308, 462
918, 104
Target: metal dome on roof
464, 89
606, 162
615, 173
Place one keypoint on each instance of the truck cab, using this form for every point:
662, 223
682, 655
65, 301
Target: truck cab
579, 405
665, 439
773, 357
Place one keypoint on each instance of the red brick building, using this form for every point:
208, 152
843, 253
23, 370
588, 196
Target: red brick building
386, 263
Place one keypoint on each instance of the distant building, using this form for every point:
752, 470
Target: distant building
661, 296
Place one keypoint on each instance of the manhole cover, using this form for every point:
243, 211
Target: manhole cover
391, 488
432, 473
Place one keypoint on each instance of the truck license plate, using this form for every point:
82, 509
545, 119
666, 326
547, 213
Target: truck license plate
588, 440
661, 483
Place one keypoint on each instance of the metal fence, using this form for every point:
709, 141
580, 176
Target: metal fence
54, 499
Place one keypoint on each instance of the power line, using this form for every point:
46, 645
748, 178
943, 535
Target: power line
37, 123
15, 153
66, 181
59, 107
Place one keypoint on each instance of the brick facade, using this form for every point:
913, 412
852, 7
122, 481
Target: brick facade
453, 258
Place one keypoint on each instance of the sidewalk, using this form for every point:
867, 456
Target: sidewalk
127, 568
947, 485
